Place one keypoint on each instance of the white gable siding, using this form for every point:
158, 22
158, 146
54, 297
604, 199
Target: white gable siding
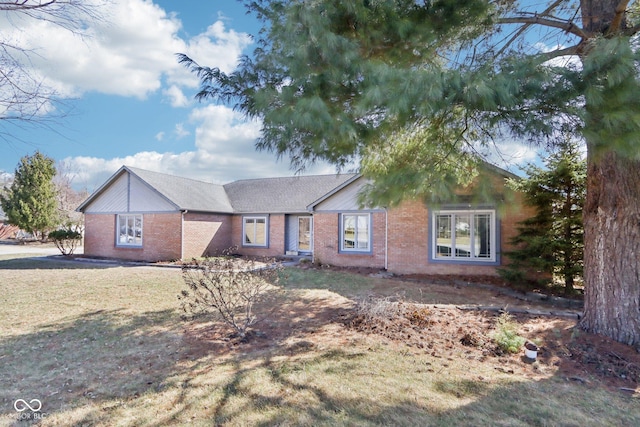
145, 199
344, 200
113, 199
129, 195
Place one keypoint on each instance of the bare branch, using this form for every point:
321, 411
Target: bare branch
526, 26
24, 94
24, 5
631, 31
567, 26
573, 50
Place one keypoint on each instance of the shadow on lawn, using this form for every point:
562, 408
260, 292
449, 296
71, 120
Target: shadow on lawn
100, 355
341, 386
56, 262
105, 361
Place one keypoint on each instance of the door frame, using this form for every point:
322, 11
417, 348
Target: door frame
310, 218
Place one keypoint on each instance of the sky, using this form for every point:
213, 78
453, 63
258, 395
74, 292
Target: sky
130, 103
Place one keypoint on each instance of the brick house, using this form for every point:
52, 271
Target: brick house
143, 215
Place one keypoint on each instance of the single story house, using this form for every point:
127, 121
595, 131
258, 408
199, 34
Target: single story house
142, 215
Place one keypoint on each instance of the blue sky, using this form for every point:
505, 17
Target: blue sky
131, 102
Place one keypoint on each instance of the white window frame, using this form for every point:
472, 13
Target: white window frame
472, 258
122, 221
355, 249
253, 221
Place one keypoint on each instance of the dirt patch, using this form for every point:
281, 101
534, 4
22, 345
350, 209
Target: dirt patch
323, 319
453, 333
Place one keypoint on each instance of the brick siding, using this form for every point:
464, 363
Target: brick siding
206, 234
326, 243
161, 238
276, 237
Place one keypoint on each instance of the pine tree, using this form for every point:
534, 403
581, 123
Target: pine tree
335, 80
30, 202
551, 242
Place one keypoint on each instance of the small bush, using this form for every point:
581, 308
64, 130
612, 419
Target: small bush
506, 335
229, 288
66, 240
374, 309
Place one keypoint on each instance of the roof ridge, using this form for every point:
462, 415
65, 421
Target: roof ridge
136, 169
292, 177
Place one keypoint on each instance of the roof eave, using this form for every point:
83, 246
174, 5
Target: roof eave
101, 189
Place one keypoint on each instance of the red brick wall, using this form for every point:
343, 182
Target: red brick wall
408, 250
408, 241
206, 234
276, 237
161, 237
326, 242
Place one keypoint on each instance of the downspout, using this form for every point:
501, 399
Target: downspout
184, 212
386, 239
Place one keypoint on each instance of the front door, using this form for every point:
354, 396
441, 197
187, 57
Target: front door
305, 234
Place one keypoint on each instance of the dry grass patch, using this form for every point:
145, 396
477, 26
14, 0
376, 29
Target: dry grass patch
106, 347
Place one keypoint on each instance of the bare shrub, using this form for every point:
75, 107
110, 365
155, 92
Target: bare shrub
228, 288
376, 308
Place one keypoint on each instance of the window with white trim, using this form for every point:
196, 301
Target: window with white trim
129, 230
464, 235
254, 230
355, 232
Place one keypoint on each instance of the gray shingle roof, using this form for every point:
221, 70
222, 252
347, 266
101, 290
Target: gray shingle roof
187, 193
267, 195
281, 195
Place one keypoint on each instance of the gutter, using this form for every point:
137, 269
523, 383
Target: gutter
386, 239
184, 212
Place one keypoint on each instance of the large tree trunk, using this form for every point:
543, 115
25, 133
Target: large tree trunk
611, 219
612, 248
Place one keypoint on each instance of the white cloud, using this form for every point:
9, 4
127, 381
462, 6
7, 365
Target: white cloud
180, 131
571, 61
224, 152
128, 53
176, 97
199, 164
131, 53
511, 155
223, 129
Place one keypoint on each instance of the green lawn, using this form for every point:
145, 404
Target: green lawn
104, 345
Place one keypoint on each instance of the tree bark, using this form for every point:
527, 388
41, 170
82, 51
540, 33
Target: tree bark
612, 248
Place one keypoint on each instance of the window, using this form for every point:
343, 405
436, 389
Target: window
129, 230
355, 233
254, 230
464, 235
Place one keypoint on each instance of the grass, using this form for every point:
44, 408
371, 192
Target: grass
104, 345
